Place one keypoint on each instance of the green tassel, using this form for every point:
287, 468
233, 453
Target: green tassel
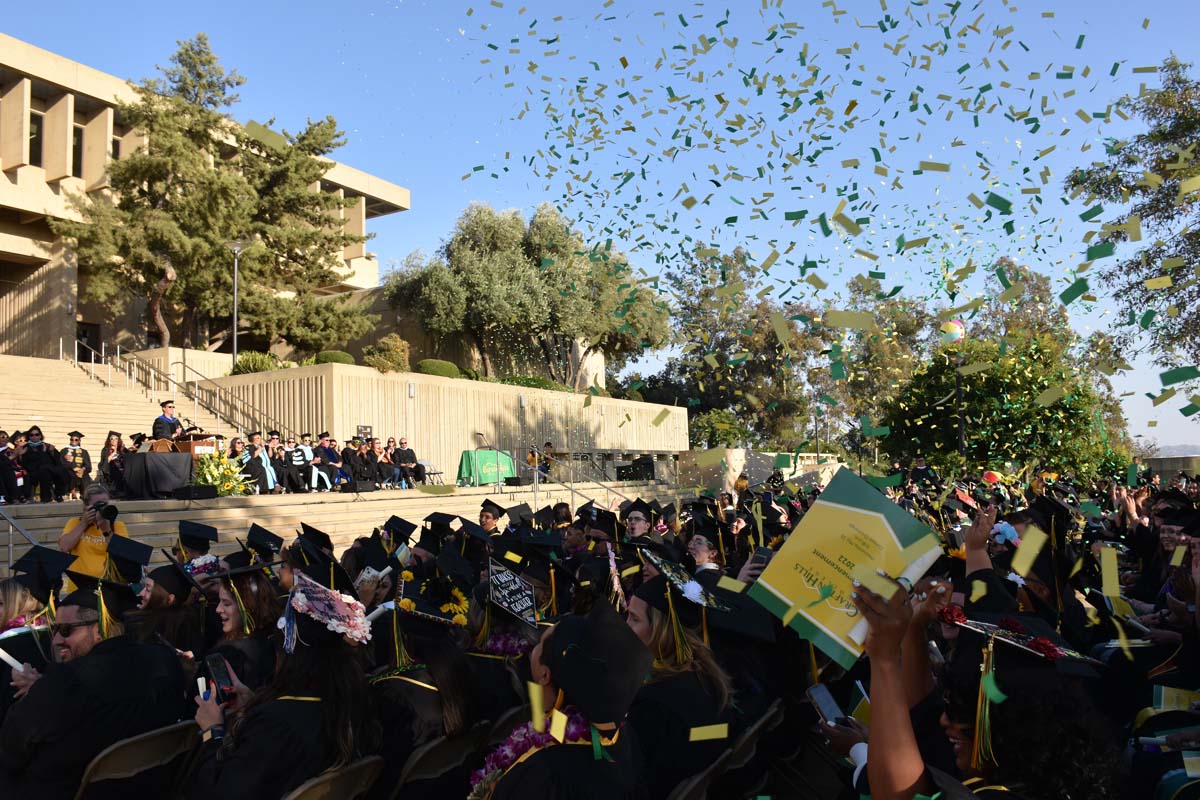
598, 751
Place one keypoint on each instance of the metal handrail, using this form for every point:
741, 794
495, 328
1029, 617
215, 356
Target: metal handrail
264, 420
13, 525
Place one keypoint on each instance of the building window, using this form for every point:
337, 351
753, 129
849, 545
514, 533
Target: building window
36, 121
77, 151
116, 148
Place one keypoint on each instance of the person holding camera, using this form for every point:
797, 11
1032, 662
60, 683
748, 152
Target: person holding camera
86, 536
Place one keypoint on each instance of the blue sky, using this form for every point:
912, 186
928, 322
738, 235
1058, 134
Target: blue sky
405, 81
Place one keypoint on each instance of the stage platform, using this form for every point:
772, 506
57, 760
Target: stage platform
344, 517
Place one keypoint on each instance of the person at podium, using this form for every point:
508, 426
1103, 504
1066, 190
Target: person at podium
167, 426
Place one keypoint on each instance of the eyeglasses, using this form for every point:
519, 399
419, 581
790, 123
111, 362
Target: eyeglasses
638, 518
64, 629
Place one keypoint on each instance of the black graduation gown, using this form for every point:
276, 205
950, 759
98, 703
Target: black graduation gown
120, 689
252, 658
496, 681
165, 428
26, 646
410, 711
274, 749
571, 772
952, 789
662, 716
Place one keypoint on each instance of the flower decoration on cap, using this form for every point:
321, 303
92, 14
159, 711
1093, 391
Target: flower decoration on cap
1012, 625
1044, 647
1005, 532
203, 565
339, 613
952, 615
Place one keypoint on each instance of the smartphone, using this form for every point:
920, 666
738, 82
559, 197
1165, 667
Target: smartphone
218, 674
768, 498
824, 703
762, 555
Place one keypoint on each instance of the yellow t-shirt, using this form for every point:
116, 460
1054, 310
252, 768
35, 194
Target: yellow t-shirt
91, 552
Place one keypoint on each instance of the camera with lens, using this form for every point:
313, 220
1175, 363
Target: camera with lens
106, 510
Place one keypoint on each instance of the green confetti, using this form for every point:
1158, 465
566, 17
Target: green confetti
1102, 250
999, 203
1092, 213
1179, 375
1074, 291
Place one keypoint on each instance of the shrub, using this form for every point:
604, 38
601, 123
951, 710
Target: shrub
253, 361
534, 382
389, 355
435, 366
334, 357
470, 373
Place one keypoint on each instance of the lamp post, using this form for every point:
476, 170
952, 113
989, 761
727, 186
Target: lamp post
237, 246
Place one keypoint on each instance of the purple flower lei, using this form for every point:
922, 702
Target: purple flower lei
524, 739
509, 645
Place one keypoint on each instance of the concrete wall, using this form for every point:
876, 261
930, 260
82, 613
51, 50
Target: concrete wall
440, 416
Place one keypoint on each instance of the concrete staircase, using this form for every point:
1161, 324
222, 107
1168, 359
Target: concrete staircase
59, 397
344, 517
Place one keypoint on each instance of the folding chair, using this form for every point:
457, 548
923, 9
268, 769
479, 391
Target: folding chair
696, 787
140, 754
344, 783
433, 475
440, 757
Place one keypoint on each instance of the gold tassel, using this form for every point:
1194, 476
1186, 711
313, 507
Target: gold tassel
704, 624
485, 630
981, 746
812, 663
106, 620
553, 593
683, 651
247, 623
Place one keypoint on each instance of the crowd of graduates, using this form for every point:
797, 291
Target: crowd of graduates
1051, 652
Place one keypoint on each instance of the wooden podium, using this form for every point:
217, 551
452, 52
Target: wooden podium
198, 444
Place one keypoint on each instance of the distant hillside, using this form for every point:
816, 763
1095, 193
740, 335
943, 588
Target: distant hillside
1176, 450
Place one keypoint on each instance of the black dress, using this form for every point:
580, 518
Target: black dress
26, 646
120, 689
571, 772
663, 715
273, 750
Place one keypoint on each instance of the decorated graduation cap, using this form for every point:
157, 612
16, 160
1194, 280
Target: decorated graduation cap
680, 596
127, 557
317, 615
597, 662
40, 571
111, 600
492, 507
196, 536
538, 563
1003, 653
265, 544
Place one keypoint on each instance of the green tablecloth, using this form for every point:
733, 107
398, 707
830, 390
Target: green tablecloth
479, 467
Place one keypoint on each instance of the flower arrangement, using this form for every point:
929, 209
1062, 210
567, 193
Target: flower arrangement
340, 613
518, 743
1012, 625
1044, 647
216, 469
207, 564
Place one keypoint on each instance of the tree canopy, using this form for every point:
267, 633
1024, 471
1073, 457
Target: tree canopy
198, 183
533, 289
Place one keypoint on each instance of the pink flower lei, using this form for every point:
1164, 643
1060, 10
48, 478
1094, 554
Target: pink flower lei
520, 742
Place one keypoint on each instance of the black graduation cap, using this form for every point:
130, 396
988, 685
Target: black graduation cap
544, 518
174, 580
373, 553
165, 403
606, 523
474, 529
431, 538
324, 568
492, 507
400, 529
316, 537
196, 535
441, 520
518, 514
264, 543
598, 662
457, 568
111, 599
656, 509
638, 505
129, 556
663, 550
586, 512
40, 571
112, 434
74, 434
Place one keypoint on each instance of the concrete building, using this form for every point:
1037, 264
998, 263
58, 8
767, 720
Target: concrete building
59, 127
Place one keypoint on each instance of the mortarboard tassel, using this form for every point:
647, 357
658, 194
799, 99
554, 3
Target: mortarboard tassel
106, 620
683, 651
247, 622
981, 747
812, 663
485, 628
553, 593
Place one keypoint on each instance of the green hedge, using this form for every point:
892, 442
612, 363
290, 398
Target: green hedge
435, 366
535, 382
250, 361
334, 357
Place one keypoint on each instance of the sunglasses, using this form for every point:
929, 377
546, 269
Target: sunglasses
64, 629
